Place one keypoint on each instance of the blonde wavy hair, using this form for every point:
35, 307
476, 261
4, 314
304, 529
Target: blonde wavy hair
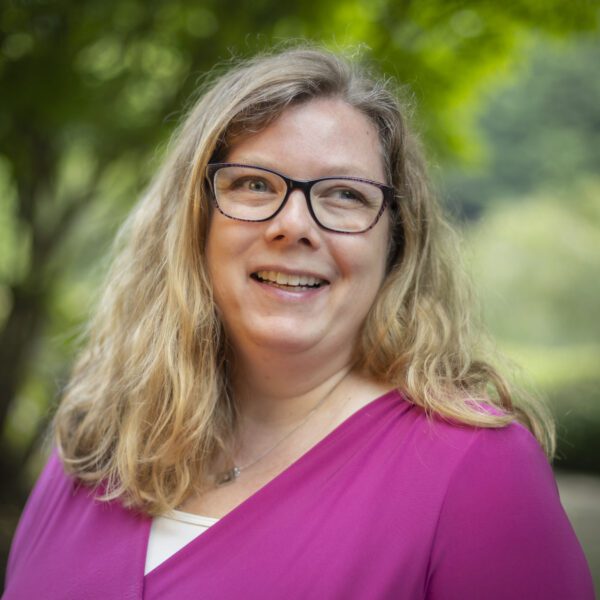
148, 407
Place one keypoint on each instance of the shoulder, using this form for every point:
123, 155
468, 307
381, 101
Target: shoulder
502, 531
454, 450
452, 463
51, 493
52, 485
75, 542
502, 473
487, 503
502, 455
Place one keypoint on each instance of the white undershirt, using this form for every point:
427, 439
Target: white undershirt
171, 532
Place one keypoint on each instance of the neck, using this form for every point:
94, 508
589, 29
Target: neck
280, 391
286, 404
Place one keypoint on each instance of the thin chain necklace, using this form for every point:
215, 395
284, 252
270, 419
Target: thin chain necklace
234, 472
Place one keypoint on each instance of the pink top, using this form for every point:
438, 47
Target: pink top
388, 505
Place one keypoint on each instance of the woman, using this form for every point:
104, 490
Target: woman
280, 395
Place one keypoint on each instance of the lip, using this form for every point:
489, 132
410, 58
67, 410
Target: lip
291, 271
291, 294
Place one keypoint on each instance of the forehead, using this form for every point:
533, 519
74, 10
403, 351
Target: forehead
314, 139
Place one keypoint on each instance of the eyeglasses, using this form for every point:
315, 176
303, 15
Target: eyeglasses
340, 204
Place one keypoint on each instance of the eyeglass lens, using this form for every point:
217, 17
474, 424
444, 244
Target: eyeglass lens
251, 194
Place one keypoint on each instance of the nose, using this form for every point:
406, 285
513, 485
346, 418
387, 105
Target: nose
294, 223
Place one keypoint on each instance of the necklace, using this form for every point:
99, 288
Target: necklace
234, 472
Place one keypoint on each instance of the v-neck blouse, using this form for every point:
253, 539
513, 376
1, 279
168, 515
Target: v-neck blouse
390, 505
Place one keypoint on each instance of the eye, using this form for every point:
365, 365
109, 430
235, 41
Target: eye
344, 194
252, 183
256, 185
349, 194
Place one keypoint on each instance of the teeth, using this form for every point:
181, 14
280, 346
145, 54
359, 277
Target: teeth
291, 280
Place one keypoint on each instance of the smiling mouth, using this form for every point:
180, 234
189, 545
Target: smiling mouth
289, 281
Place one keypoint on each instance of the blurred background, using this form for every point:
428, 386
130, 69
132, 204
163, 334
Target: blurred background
507, 100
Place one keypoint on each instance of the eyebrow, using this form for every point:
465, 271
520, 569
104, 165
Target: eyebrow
327, 170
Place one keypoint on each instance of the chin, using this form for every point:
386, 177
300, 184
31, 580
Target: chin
282, 343
275, 336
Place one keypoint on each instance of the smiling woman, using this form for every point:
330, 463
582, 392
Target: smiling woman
265, 313
280, 395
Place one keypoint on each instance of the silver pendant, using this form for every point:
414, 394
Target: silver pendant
228, 476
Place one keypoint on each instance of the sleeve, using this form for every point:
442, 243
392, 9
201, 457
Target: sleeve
502, 531
40, 506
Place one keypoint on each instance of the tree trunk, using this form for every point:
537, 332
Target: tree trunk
17, 341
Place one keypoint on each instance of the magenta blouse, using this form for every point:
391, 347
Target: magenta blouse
390, 505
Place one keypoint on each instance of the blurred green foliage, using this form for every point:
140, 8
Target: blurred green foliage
543, 127
534, 242
90, 91
536, 262
541, 253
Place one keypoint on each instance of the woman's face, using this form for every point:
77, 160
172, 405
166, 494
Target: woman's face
320, 138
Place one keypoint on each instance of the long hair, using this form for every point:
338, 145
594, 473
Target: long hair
148, 407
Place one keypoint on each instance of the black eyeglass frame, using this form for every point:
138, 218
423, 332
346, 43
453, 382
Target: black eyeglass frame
299, 184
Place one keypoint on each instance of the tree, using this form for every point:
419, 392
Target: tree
89, 90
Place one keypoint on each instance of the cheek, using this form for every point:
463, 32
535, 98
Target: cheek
217, 260
228, 245
374, 266
379, 250
365, 265
220, 244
